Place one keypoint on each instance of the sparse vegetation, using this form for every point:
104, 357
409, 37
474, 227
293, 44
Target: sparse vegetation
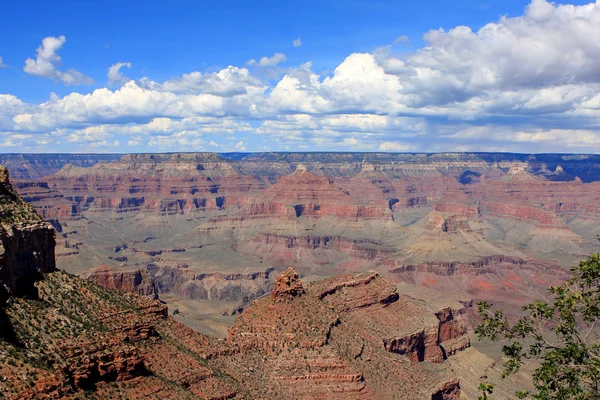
562, 335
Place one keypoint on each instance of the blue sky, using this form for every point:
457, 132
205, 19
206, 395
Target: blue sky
361, 76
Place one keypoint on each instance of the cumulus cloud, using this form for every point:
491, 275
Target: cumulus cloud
527, 83
297, 42
358, 85
47, 60
10, 106
230, 81
550, 45
115, 76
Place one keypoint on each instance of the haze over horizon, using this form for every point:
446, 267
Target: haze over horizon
122, 77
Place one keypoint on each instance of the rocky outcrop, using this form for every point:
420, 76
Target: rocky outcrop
518, 173
134, 280
335, 335
49, 202
182, 280
422, 345
433, 344
27, 242
449, 390
271, 244
372, 290
456, 223
542, 218
85, 371
362, 294
492, 265
287, 286
313, 195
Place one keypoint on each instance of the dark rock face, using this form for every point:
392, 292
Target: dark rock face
27, 242
28, 252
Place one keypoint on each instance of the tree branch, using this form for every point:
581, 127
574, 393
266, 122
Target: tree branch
590, 331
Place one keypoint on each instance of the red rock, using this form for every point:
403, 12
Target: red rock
449, 390
287, 286
136, 280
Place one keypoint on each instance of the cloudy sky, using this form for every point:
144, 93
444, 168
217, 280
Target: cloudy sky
343, 75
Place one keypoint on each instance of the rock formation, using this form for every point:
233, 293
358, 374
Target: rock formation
134, 280
27, 242
287, 286
352, 336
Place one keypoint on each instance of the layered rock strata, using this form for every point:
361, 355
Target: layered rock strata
195, 220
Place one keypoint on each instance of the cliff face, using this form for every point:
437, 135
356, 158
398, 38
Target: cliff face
27, 242
134, 280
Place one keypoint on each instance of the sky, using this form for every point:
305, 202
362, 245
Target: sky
133, 76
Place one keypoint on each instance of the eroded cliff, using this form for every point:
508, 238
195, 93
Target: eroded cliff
27, 241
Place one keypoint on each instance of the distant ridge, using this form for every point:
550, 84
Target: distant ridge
584, 166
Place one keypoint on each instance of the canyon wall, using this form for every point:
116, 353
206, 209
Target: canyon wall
191, 221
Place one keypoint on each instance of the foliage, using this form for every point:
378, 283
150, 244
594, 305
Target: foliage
559, 334
486, 389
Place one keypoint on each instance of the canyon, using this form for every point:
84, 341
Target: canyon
320, 275
210, 232
354, 336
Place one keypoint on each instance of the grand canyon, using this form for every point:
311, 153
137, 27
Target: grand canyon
278, 275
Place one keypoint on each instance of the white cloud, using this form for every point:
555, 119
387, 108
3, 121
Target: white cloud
394, 146
358, 84
266, 62
115, 76
551, 45
401, 40
528, 83
134, 141
47, 60
297, 42
105, 143
228, 82
10, 106
2, 65
553, 138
